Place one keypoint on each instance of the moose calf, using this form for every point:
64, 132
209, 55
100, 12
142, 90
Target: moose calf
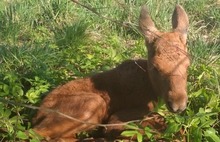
126, 92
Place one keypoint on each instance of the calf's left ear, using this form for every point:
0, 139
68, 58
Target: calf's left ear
180, 22
147, 25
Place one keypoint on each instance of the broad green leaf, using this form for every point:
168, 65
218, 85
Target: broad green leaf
6, 88
90, 56
7, 113
172, 128
211, 133
195, 134
207, 123
14, 119
139, 137
33, 95
147, 132
35, 137
17, 91
132, 126
22, 135
214, 101
129, 133
179, 119
197, 93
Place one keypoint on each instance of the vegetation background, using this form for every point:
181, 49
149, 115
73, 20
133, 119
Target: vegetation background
44, 43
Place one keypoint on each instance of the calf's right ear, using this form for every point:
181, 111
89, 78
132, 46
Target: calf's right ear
180, 22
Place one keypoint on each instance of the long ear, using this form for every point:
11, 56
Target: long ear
180, 22
146, 24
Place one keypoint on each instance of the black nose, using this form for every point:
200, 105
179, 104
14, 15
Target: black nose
173, 109
169, 106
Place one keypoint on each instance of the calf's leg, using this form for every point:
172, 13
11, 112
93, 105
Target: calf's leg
87, 107
153, 120
121, 117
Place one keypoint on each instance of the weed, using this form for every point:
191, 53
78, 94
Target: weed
46, 43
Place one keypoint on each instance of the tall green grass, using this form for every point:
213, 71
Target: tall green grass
46, 43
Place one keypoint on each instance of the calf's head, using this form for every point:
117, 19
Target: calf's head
168, 60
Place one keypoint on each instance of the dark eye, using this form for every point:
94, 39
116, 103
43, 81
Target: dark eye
155, 69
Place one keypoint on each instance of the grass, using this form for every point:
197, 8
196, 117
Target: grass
46, 43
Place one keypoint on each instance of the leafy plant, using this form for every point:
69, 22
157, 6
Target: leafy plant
46, 43
135, 131
12, 99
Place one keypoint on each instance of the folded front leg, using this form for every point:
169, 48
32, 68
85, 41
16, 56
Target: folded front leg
144, 119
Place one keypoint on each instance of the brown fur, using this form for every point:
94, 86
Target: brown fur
126, 92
